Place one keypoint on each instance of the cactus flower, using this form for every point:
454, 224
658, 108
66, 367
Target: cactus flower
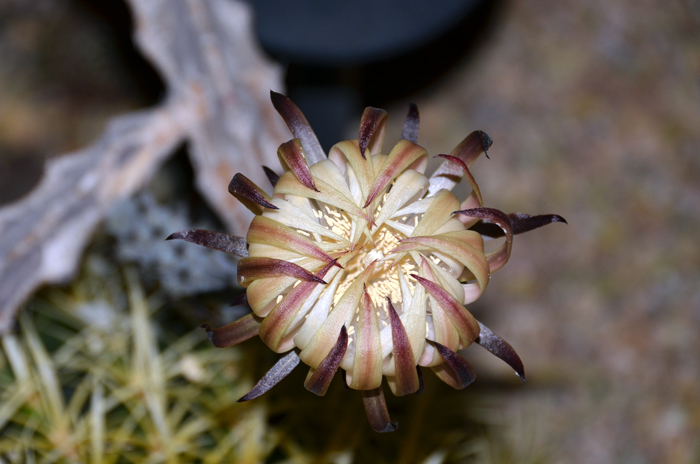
360, 261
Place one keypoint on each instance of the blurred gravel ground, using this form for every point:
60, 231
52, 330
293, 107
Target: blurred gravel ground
594, 108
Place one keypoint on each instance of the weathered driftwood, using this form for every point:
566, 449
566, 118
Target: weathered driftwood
218, 85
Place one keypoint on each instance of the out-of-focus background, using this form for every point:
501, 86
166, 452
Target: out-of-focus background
594, 109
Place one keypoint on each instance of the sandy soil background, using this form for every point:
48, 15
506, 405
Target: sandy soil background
594, 108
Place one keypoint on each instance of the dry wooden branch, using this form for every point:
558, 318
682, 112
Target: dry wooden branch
218, 99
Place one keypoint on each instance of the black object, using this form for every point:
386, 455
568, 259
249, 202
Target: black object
343, 55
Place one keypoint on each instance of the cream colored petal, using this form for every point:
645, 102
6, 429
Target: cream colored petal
367, 365
319, 313
438, 214
341, 314
418, 207
260, 250
472, 258
355, 187
476, 192
447, 281
270, 232
406, 295
471, 293
405, 229
330, 191
401, 157
328, 172
279, 321
262, 293
410, 185
314, 297
405, 381
445, 331
295, 218
462, 320
363, 169
414, 322
378, 162
470, 203
448, 174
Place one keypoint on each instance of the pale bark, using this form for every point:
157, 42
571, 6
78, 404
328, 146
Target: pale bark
218, 84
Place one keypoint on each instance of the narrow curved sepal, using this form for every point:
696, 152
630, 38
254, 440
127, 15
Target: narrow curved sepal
275, 326
411, 124
270, 232
407, 380
250, 269
318, 380
522, 222
299, 127
240, 300
234, 333
498, 258
501, 349
325, 193
457, 246
372, 127
324, 339
292, 154
218, 241
271, 175
280, 370
447, 175
467, 174
464, 322
367, 365
252, 196
377, 413
403, 155
456, 371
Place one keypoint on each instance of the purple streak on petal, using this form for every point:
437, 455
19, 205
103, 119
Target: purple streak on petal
255, 268
371, 121
299, 127
321, 378
497, 259
377, 413
407, 381
524, 222
410, 126
279, 371
235, 332
271, 175
242, 187
292, 154
463, 372
218, 241
501, 349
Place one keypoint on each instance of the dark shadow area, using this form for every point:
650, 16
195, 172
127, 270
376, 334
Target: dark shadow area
332, 88
68, 67
115, 21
